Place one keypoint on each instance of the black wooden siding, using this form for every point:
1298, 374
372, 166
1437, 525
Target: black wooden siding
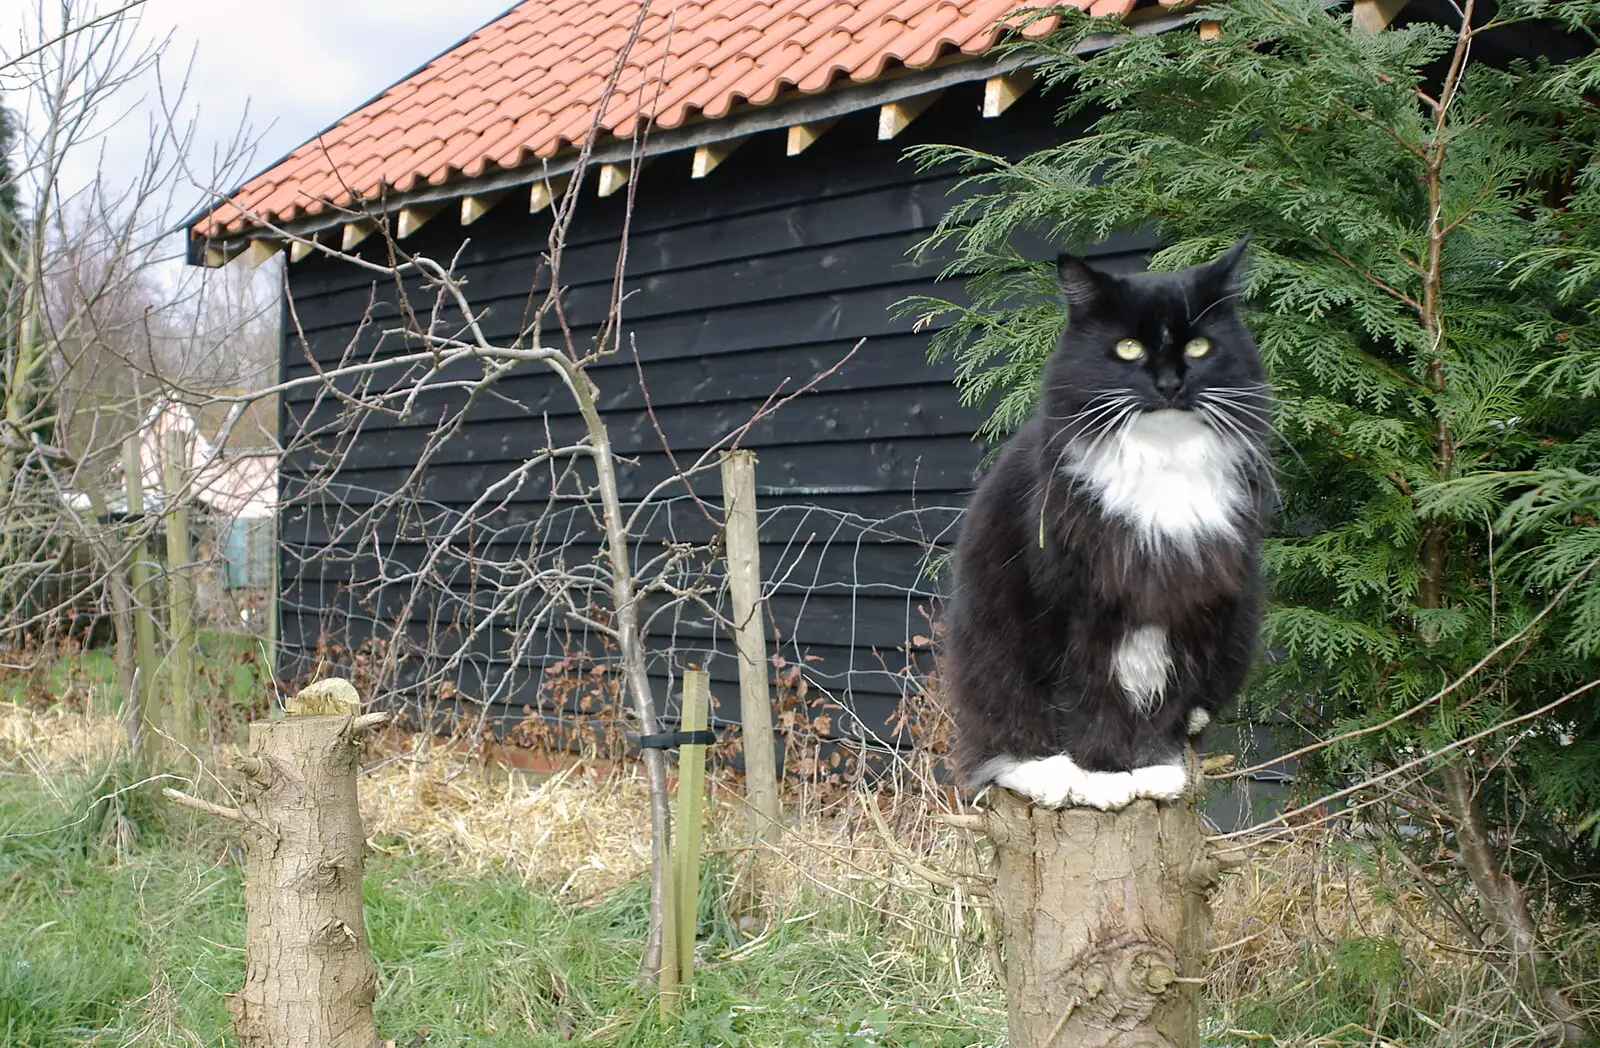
764, 273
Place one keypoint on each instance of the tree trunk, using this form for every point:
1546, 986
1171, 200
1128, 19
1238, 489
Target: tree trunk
1104, 920
1505, 901
128, 707
309, 979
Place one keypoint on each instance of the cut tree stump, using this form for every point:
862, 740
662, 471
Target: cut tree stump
1103, 916
309, 978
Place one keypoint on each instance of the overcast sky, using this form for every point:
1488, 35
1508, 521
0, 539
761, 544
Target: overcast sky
295, 66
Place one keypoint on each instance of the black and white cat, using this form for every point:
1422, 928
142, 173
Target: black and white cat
1107, 592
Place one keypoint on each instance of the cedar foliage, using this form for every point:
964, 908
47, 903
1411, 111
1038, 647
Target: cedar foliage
1425, 288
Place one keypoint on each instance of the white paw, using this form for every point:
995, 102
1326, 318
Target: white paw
1162, 782
1049, 781
1105, 790
1198, 719
1058, 782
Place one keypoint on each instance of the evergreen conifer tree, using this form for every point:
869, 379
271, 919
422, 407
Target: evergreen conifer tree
1425, 287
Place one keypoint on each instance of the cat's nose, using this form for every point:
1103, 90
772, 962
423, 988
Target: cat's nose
1168, 383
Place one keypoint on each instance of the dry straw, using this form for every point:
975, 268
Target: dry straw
878, 861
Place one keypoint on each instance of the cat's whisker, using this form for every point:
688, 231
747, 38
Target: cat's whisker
1239, 396
1271, 431
1087, 420
1201, 315
1101, 396
1254, 452
1225, 423
1256, 411
1253, 437
1252, 419
1117, 425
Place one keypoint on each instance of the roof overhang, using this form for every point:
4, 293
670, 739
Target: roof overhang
904, 89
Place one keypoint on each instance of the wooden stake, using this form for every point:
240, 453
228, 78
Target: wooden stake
743, 547
356, 232
706, 158
180, 595
1104, 920
691, 798
1001, 92
1210, 30
544, 192
147, 661
477, 205
895, 117
802, 136
274, 624
414, 218
1374, 16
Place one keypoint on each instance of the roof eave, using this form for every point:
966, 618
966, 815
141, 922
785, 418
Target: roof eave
753, 119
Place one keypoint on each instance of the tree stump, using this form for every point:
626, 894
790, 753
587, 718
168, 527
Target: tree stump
309, 978
1104, 919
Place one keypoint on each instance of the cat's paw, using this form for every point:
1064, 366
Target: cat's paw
1106, 790
1058, 782
1162, 782
1048, 781
1198, 719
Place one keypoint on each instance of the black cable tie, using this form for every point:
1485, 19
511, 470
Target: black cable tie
671, 740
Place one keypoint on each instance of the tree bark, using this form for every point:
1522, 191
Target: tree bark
1504, 899
309, 978
1104, 920
128, 707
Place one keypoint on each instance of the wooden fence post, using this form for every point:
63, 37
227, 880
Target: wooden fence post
755, 693
144, 625
309, 978
691, 801
180, 595
1104, 919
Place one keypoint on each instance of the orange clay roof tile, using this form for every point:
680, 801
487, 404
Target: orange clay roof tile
525, 86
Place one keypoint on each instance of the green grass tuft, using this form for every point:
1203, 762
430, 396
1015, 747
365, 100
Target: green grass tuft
131, 939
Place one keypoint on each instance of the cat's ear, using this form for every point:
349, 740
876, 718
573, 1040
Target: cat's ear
1080, 282
1227, 269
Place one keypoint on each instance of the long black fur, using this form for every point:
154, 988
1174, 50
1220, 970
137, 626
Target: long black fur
1031, 628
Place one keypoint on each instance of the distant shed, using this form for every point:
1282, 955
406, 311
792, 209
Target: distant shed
771, 231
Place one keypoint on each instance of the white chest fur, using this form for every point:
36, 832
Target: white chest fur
1171, 476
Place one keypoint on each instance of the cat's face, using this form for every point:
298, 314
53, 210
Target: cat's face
1154, 342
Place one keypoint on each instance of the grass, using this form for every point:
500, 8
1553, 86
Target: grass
140, 949
120, 923
509, 912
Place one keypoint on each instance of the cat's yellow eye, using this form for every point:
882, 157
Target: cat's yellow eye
1130, 349
1197, 347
